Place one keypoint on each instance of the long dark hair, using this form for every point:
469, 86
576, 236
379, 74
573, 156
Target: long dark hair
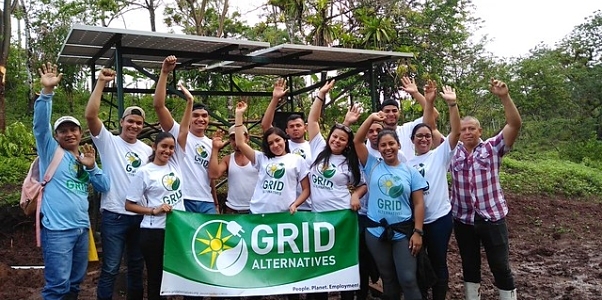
349, 152
264, 141
160, 136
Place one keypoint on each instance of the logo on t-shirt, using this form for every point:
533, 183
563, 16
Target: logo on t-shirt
275, 170
300, 152
201, 154
133, 162
390, 185
171, 182
422, 170
326, 172
80, 184
275, 185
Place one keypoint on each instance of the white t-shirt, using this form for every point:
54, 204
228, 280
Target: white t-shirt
404, 132
276, 188
433, 165
241, 183
120, 161
154, 185
303, 150
195, 166
329, 185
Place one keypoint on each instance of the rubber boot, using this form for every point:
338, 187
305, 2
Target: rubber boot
440, 290
508, 295
471, 291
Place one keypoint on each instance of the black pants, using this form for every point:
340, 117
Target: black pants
151, 244
494, 237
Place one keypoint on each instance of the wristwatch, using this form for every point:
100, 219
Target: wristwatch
419, 231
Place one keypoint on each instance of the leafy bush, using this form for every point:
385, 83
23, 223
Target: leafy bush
17, 141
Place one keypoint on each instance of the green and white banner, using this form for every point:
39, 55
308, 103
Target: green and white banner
260, 254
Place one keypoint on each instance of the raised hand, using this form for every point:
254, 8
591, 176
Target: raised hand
449, 95
280, 89
409, 85
326, 87
186, 92
106, 75
498, 88
353, 114
87, 156
430, 91
49, 76
378, 116
169, 64
241, 107
217, 139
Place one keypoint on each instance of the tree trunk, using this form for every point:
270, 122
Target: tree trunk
150, 6
222, 19
5, 47
29, 63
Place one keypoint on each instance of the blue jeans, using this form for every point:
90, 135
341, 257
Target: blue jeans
436, 240
202, 207
494, 237
66, 261
120, 232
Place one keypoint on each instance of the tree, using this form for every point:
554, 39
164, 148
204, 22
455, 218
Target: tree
5, 30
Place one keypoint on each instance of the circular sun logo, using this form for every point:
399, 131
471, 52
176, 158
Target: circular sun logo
133, 159
171, 182
275, 170
300, 152
201, 151
326, 171
219, 249
390, 185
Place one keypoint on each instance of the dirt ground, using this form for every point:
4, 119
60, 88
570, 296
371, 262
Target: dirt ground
555, 248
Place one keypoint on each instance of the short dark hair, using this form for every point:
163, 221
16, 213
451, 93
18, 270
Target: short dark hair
199, 106
389, 102
294, 117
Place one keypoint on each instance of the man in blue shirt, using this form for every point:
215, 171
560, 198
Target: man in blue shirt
64, 208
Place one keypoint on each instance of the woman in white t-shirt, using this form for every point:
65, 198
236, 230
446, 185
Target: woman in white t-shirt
433, 165
279, 170
334, 170
156, 191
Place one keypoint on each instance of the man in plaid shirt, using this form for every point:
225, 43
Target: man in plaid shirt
478, 203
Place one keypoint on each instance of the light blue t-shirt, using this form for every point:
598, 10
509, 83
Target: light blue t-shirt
390, 188
65, 197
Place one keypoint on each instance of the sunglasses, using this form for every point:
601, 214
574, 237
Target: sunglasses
343, 127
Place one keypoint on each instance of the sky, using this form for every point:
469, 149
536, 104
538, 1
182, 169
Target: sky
515, 26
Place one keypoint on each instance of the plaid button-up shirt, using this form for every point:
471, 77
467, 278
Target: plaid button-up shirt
476, 185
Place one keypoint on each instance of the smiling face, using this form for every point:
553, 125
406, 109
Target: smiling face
391, 116
470, 132
163, 150
68, 135
375, 128
338, 141
388, 146
422, 139
131, 126
276, 144
199, 121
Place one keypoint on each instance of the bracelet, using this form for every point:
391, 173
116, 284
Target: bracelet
452, 104
419, 231
320, 98
238, 125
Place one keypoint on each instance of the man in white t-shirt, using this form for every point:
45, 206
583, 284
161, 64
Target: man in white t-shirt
242, 176
295, 129
197, 187
121, 156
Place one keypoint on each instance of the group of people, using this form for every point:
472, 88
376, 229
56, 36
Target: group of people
394, 176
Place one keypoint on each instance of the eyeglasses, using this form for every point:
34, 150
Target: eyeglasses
343, 127
425, 136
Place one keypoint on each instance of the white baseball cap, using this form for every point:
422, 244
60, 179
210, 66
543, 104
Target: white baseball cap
65, 119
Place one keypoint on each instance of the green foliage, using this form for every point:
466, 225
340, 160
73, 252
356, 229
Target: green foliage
550, 176
16, 141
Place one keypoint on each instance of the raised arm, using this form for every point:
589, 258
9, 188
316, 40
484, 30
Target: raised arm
93, 108
513, 119
313, 125
165, 118
278, 92
239, 132
353, 114
362, 132
428, 115
449, 95
409, 86
217, 169
185, 123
